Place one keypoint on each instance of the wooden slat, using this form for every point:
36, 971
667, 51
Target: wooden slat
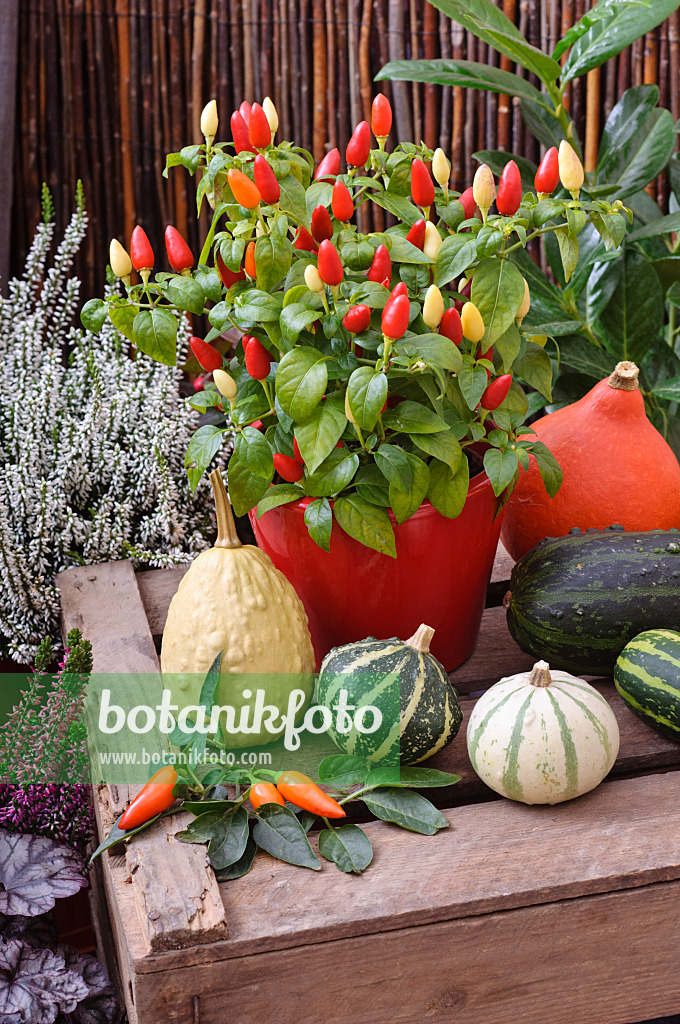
495, 655
605, 959
176, 895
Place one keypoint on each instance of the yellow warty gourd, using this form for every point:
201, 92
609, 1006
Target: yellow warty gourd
233, 599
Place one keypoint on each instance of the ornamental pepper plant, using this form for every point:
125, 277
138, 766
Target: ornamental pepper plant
356, 383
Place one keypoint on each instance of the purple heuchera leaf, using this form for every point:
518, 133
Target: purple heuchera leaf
35, 984
100, 1006
35, 872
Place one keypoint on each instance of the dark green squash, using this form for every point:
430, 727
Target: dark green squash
576, 601
647, 675
418, 704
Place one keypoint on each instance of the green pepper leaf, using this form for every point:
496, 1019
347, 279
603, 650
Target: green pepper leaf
294, 318
497, 290
466, 73
535, 368
404, 504
367, 393
448, 490
342, 771
273, 258
500, 467
348, 847
245, 487
367, 523
407, 809
319, 522
413, 418
333, 475
278, 494
404, 777
93, 315
442, 446
201, 450
229, 839
240, 867
154, 332
319, 434
186, 293
456, 254
255, 452
279, 832
301, 380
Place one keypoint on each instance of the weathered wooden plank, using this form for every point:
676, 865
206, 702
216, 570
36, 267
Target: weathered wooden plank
495, 655
103, 601
157, 587
604, 959
493, 857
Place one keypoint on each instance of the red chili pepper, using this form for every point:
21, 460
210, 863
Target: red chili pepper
496, 392
509, 194
288, 468
258, 360
259, 130
180, 256
381, 116
300, 790
357, 319
322, 226
246, 193
329, 165
359, 146
341, 203
395, 317
422, 188
399, 289
244, 110
450, 325
156, 796
416, 234
548, 174
265, 793
207, 356
141, 252
266, 180
466, 290
304, 241
228, 276
249, 261
329, 264
381, 267
198, 383
296, 452
245, 341
488, 355
239, 133
467, 200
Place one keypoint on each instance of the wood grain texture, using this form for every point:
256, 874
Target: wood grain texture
571, 962
495, 655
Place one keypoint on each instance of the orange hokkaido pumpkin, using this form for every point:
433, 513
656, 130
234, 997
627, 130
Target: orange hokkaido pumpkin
617, 469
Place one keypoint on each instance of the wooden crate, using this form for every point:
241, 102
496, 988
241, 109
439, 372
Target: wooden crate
566, 914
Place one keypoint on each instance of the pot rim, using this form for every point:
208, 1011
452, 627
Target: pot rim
479, 483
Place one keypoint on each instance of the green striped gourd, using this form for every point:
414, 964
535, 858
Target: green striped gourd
418, 704
647, 675
542, 737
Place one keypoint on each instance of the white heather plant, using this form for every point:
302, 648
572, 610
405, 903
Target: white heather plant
92, 446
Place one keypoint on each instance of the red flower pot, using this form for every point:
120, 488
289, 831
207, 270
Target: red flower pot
439, 576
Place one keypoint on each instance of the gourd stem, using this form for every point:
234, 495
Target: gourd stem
624, 377
227, 536
540, 674
420, 641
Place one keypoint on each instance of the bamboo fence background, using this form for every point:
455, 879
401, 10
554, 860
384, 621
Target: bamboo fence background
107, 87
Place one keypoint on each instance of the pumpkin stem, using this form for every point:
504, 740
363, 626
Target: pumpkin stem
420, 641
624, 377
540, 674
227, 536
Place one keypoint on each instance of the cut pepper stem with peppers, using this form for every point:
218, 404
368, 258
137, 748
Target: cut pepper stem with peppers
342, 320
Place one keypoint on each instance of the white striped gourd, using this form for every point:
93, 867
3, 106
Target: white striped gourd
419, 706
542, 737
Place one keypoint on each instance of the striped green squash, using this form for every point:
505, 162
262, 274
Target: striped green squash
542, 737
418, 705
647, 675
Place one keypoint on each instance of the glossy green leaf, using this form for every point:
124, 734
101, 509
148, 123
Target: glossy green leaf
607, 38
367, 523
186, 293
580, 354
154, 332
652, 156
402, 251
204, 825
413, 418
466, 73
442, 446
301, 380
255, 452
278, 831
403, 777
497, 290
245, 487
254, 307
278, 494
543, 124
319, 434
508, 346
633, 317
662, 226
333, 475
489, 23
668, 389
500, 467
392, 462
472, 381
123, 319
93, 315
201, 450
456, 254
273, 258
405, 503
534, 367
319, 522
400, 206
406, 808
348, 847
367, 393
240, 867
448, 490
292, 200
342, 771
118, 835
229, 839
372, 485
548, 466
623, 128
294, 319
568, 246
